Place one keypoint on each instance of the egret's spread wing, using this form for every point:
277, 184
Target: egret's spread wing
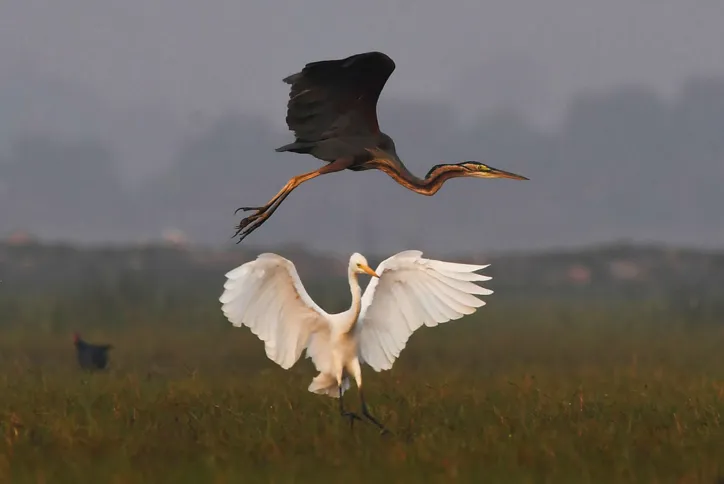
412, 291
337, 97
267, 295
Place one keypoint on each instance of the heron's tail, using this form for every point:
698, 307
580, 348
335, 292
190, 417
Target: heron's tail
298, 146
326, 384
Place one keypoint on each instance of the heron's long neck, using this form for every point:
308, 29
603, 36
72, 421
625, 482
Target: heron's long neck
429, 185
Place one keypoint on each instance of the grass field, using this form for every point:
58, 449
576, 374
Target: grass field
517, 393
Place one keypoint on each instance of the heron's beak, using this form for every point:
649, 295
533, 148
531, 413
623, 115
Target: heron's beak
369, 270
495, 173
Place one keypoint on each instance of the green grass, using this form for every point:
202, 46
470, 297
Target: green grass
519, 393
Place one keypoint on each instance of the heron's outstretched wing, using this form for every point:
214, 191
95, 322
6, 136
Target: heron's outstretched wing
334, 98
267, 296
412, 291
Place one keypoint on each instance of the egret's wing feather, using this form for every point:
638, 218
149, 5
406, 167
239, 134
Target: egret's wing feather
411, 292
267, 296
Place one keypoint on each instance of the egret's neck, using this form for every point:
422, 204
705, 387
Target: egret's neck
356, 290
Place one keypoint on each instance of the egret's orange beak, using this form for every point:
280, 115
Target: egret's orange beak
369, 270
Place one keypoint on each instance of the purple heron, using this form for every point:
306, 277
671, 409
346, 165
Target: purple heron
332, 111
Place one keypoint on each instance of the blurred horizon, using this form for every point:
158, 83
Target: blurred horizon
131, 131
121, 125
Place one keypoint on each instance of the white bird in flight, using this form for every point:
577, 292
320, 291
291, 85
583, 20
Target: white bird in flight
406, 292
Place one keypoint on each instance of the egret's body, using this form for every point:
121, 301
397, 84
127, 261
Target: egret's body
407, 292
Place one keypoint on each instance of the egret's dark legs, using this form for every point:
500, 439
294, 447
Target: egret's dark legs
254, 221
351, 415
366, 413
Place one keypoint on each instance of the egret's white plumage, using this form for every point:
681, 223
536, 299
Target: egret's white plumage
408, 291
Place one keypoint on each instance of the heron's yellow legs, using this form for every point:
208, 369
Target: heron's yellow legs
254, 221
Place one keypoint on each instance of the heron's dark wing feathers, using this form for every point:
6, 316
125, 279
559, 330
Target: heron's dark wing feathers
337, 97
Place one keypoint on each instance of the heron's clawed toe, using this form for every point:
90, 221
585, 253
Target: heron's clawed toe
245, 222
249, 224
247, 209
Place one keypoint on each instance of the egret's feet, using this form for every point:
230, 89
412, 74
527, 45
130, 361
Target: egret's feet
352, 417
383, 429
368, 415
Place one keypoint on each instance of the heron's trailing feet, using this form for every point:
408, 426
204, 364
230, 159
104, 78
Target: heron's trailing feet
254, 221
259, 217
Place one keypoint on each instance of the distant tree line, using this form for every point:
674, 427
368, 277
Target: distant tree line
622, 162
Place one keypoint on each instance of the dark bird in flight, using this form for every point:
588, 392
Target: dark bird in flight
91, 356
332, 111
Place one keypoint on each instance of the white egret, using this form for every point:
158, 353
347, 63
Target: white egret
407, 291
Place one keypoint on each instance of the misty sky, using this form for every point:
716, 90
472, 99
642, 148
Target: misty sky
143, 86
209, 56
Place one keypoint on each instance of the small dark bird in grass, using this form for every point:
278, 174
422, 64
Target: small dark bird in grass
91, 356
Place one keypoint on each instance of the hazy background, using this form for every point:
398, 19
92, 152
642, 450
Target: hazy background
121, 120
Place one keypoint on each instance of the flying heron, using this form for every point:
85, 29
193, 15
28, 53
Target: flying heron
332, 111
407, 291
